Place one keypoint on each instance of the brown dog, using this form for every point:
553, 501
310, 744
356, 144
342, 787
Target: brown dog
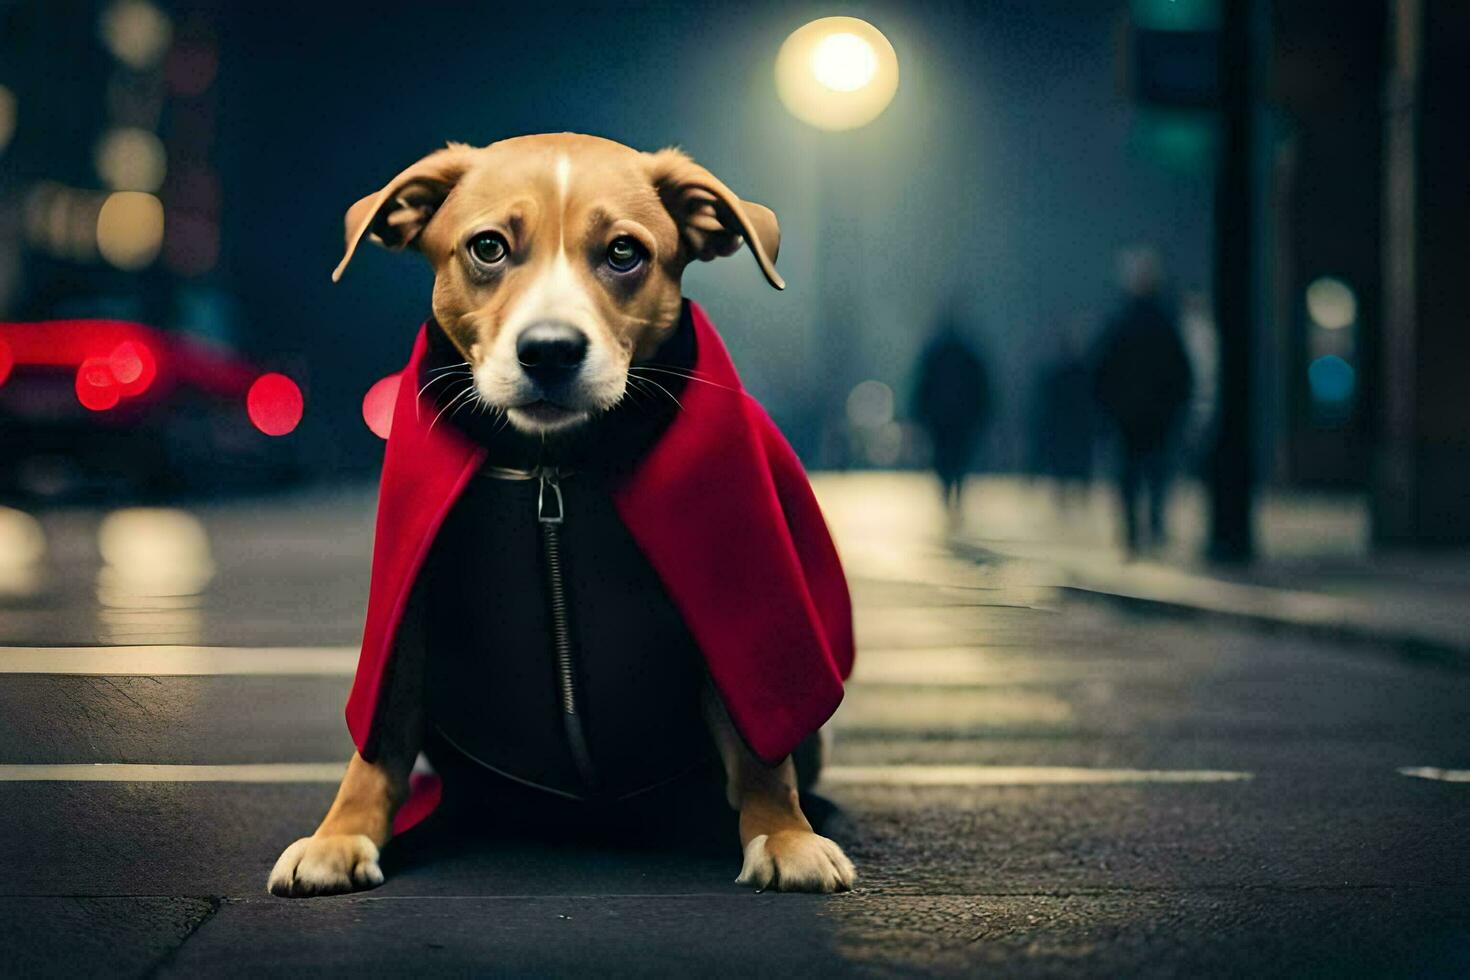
600, 234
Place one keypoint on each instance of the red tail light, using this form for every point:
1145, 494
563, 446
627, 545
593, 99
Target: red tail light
274, 404
97, 389
134, 367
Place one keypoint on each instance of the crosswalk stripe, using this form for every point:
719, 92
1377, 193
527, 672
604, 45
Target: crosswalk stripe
951, 667
1432, 772
1016, 776
273, 772
911, 776
165, 661
940, 668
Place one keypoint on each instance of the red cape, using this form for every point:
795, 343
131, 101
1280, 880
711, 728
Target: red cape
721, 508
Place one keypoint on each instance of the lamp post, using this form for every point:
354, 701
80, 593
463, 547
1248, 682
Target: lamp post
835, 74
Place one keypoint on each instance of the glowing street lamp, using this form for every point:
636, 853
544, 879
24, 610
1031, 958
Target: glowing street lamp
837, 73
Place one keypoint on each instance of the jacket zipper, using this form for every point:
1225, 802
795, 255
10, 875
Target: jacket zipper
550, 513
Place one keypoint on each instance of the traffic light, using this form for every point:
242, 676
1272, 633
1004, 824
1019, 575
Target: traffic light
1169, 68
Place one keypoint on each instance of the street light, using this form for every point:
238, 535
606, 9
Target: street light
837, 73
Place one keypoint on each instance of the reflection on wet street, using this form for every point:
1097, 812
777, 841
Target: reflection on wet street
275, 573
156, 565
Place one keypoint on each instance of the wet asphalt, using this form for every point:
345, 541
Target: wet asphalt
1318, 857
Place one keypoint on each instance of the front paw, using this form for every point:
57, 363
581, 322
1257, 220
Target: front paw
326, 866
796, 861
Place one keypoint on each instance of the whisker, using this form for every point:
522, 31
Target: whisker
664, 390
504, 421
688, 372
686, 377
474, 397
432, 381
631, 391
468, 388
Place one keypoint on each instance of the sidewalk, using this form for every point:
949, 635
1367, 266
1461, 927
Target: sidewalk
1315, 572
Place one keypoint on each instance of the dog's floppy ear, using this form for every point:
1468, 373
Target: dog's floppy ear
711, 219
394, 216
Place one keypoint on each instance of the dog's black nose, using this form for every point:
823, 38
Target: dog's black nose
550, 350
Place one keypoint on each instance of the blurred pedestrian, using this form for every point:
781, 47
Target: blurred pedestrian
952, 404
1063, 419
1142, 380
1197, 331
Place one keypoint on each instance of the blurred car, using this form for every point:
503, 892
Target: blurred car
108, 409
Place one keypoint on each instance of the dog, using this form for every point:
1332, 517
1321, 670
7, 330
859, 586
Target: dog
557, 272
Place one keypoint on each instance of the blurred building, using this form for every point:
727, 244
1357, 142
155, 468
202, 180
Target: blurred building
1323, 178
109, 173
1367, 245
1358, 227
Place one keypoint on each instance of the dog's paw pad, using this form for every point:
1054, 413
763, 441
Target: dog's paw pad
796, 861
326, 866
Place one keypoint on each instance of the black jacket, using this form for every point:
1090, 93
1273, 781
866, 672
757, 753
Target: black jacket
494, 691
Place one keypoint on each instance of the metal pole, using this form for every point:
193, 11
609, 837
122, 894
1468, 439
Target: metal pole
1395, 486
1232, 476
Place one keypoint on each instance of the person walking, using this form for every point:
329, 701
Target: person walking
1143, 381
952, 404
1063, 420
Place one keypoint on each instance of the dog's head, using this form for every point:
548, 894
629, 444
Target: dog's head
557, 260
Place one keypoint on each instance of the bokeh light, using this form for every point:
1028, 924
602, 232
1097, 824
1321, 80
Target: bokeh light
192, 68
96, 387
837, 73
62, 220
148, 554
22, 549
7, 117
130, 229
131, 159
134, 367
22, 540
136, 32
870, 404
126, 363
1331, 303
274, 404
377, 405
1331, 379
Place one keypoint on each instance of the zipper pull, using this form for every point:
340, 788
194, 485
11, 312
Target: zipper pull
543, 514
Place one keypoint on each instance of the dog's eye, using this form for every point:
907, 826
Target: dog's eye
624, 254
488, 247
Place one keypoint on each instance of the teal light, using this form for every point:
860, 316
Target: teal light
1176, 15
1180, 140
1331, 379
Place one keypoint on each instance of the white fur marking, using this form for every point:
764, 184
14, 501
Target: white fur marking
563, 181
563, 176
755, 859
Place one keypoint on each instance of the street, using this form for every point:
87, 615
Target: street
1030, 782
